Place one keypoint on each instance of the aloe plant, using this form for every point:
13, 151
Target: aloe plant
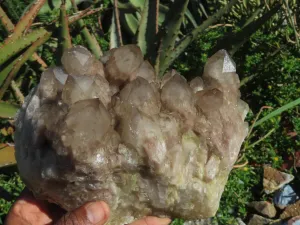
234, 41
23, 41
161, 41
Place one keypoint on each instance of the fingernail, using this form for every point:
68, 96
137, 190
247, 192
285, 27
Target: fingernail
96, 212
164, 221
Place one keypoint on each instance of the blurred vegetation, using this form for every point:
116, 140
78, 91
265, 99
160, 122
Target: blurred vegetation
261, 35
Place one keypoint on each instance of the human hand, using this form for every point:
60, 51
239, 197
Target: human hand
28, 210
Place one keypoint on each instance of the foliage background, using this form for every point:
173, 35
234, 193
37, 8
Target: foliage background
268, 64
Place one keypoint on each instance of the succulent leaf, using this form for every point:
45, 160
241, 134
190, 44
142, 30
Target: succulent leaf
130, 23
191, 18
138, 3
171, 28
26, 21
115, 29
233, 42
91, 40
148, 26
8, 110
8, 25
55, 4
64, 26
187, 39
20, 61
13, 48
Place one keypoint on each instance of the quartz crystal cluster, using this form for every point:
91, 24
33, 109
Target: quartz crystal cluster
109, 129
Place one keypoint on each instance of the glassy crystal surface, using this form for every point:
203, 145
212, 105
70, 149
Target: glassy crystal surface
110, 130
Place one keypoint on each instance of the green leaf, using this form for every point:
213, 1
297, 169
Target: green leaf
55, 4
65, 37
26, 21
115, 40
130, 23
171, 28
14, 47
138, 3
278, 111
6, 70
191, 18
20, 61
8, 110
253, 16
233, 42
245, 2
186, 40
115, 33
6, 22
148, 26
90, 39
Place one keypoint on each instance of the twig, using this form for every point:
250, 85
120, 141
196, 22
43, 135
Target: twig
89, 37
252, 126
17, 91
157, 15
290, 18
264, 137
39, 60
117, 20
220, 25
267, 5
256, 118
241, 165
100, 23
84, 13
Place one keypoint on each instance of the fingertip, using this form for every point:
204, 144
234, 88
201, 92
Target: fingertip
152, 220
157, 221
165, 221
105, 208
97, 212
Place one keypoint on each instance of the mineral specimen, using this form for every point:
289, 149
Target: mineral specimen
274, 179
110, 130
264, 208
291, 211
259, 220
285, 196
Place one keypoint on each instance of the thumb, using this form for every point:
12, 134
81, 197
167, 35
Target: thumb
93, 213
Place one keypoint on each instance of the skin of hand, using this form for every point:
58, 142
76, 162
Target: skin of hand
27, 210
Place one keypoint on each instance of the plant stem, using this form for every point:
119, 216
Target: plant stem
17, 92
65, 32
264, 137
8, 25
90, 38
117, 21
